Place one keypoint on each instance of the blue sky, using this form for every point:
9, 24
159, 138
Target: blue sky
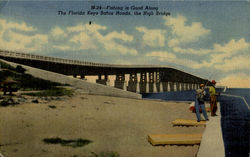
208, 39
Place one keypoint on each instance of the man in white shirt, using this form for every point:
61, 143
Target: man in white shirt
200, 103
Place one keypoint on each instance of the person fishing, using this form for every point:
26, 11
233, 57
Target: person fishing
213, 98
200, 103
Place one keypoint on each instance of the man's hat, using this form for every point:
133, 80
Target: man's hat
213, 82
202, 85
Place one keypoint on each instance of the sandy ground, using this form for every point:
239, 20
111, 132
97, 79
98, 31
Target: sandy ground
113, 124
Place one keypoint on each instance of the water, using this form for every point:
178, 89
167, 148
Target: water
235, 116
245, 92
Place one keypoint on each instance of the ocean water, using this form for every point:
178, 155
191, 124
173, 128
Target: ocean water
235, 116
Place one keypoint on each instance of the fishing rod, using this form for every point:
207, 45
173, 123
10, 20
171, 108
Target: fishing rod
209, 79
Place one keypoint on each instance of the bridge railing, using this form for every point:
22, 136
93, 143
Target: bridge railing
50, 59
72, 62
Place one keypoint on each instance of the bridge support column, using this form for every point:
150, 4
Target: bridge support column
164, 86
152, 83
171, 86
194, 86
104, 81
137, 86
143, 82
132, 83
186, 86
190, 86
159, 86
120, 81
83, 77
175, 86
178, 86
182, 87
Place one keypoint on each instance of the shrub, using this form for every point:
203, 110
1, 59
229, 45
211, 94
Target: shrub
20, 69
52, 92
72, 143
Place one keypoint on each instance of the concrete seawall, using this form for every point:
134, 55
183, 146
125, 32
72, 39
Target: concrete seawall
80, 85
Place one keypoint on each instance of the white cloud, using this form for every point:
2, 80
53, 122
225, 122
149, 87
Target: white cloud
58, 33
168, 57
237, 80
62, 47
152, 37
86, 28
184, 33
241, 62
219, 52
112, 46
173, 42
84, 41
19, 41
233, 55
226, 51
191, 51
162, 55
122, 36
232, 46
89, 37
14, 25
79, 37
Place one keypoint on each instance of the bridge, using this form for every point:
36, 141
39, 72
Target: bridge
142, 78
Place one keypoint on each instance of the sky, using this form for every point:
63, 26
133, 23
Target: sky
207, 39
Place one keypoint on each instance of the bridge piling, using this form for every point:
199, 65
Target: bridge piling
182, 86
143, 82
186, 86
104, 81
164, 86
178, 86
194, 86
152, 83
83, 77
190, 86
120, 81
171, 86
132, 83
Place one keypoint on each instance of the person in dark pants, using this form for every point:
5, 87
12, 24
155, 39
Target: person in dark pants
200, 103
213, 98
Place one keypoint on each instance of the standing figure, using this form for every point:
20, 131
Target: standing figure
200, 103
213, 99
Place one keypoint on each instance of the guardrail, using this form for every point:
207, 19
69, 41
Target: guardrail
74, 62
50, 59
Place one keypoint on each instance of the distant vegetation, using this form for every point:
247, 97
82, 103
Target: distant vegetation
28, 82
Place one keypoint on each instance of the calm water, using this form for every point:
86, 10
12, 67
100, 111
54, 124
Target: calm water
235, 116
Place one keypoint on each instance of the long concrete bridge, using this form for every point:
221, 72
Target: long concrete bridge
142, 78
